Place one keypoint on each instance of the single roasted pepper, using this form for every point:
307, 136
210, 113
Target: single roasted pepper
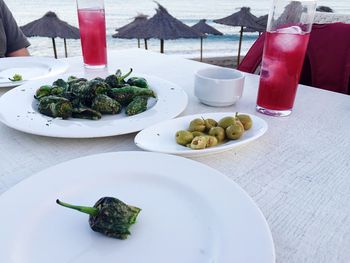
138, 82
109, 216
138, 105
126, 94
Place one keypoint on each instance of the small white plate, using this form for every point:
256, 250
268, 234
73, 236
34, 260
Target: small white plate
30, 68
18, 110
161, 137
191, 213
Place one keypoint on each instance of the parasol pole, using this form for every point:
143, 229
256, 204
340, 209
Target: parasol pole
146, 46
201, 49
162, 46
138, 43
239, 46
54, 47
65, 47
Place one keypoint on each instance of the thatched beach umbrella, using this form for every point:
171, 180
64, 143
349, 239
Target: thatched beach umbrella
261, 24
323, 8
139, 20
242, 18
164, 26
51, 26
205, 29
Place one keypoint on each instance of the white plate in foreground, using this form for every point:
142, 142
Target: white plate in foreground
190, 214
30, 68
18, 110
161, 137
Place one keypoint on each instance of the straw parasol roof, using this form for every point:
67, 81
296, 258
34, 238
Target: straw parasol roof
205, 29
323, 8
138, 21
261, 25
242, 18
51, 26
162, 26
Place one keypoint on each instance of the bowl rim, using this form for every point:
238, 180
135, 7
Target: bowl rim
200, 75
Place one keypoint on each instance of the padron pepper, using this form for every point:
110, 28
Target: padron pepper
126, 94
138, 82
86, 113
138, 105
109, 216
117, 80
54, 106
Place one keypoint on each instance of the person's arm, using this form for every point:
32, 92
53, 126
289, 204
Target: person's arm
16, 42
23, 52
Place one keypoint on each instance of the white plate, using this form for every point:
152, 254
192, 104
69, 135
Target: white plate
30, 68
190, 214
161, 137
18, 110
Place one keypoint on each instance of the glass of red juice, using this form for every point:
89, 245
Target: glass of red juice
287, 36
92, 26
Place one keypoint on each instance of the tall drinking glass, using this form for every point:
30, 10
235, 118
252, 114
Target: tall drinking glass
92, 26
287, 35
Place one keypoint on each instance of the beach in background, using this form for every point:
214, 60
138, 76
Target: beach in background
119, 13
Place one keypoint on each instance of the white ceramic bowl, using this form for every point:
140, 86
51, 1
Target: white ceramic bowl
218, 87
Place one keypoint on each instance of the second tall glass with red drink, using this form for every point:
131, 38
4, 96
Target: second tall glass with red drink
286, 41
92, 26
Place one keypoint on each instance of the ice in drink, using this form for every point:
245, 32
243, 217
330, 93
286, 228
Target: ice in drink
283, 58
92, 27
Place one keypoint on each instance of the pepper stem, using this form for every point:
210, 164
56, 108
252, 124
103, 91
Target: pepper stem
125, 76
87, 210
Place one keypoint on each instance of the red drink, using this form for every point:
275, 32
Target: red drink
281, 67
280, 73
92, 27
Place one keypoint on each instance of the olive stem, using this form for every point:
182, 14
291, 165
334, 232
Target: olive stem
87, 210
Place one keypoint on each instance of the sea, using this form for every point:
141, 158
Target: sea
121, 12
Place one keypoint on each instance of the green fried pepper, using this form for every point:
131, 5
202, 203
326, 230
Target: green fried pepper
60, 83
117, 80
43, 91
109, 216
104, 104
138, 82
54, 106
125, 95
86, 113
87, 91
138, 105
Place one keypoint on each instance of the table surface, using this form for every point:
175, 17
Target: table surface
298, 172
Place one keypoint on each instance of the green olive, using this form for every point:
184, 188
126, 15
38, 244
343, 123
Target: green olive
197, 133
199, 142
218, 132
234, 131
184, 137
211, 141
226, 121
210, 123
245, 120
197, 125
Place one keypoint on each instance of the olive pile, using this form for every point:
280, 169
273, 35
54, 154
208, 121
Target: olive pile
204, 133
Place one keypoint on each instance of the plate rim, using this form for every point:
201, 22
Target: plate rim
57, 66
207, 151
44, 173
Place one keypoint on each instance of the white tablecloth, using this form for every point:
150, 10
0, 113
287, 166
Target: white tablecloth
298, 172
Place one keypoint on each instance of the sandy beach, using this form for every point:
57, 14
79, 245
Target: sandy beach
224, 61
